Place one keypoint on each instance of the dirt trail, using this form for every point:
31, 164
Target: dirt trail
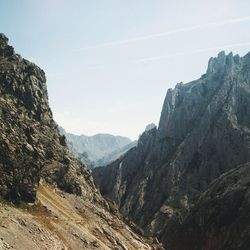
52, 201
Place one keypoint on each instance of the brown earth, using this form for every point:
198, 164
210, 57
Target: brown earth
64, 221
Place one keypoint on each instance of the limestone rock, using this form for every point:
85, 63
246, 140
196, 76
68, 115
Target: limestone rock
30, 143
204, 131
58, 204
220, 219
150, 126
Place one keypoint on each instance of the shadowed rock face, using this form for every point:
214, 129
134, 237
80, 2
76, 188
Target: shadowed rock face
30, 144
204, 131
221, 218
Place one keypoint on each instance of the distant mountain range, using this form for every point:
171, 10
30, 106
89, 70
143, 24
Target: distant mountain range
99, 149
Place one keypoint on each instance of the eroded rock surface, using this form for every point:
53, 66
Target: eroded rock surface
30, 144
66, 210
204, 131
221, 218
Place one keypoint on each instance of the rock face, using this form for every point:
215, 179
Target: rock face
30, 143
204, 131
36, 167
150, 126
220, 219
99, 149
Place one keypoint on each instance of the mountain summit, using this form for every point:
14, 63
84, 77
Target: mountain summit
99, 149
30, 143
57, 205
204, 132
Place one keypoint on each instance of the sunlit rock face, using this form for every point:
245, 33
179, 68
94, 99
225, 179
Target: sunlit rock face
30, 144
204, 131
35, 165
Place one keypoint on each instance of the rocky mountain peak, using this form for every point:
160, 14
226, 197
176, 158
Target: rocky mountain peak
150, 126
203, 132
31, 147
186, 101
38, 172
5, 49
222, 62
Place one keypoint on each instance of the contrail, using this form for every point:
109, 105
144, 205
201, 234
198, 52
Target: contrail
157, 58
167, 33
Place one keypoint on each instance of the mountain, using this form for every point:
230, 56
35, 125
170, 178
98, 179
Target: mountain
47, 198
220, 219
99, 149
30, 144
150, 126
169, 183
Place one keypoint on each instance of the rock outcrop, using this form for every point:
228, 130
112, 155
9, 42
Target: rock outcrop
220, 219
150, 126
204, 131
57, 204
30, 143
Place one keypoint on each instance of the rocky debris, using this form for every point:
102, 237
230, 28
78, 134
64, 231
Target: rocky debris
204, 131
30, 236
54, 223
30, 143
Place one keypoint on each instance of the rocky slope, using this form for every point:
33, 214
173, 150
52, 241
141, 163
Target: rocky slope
204, 131
99, 149
66, 210
60, 220
221, 218
30, 143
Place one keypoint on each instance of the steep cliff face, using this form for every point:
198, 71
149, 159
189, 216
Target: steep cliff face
220, 219
204, 131
36, 169
30, 144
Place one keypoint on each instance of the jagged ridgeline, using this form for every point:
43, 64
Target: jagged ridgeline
30, 144
58, 206
204, 132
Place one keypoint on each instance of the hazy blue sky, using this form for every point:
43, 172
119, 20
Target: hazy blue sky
109, 63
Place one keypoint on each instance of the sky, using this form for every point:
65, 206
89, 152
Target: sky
109, 63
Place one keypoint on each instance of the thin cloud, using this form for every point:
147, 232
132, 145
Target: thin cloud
157, 58
167, 33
